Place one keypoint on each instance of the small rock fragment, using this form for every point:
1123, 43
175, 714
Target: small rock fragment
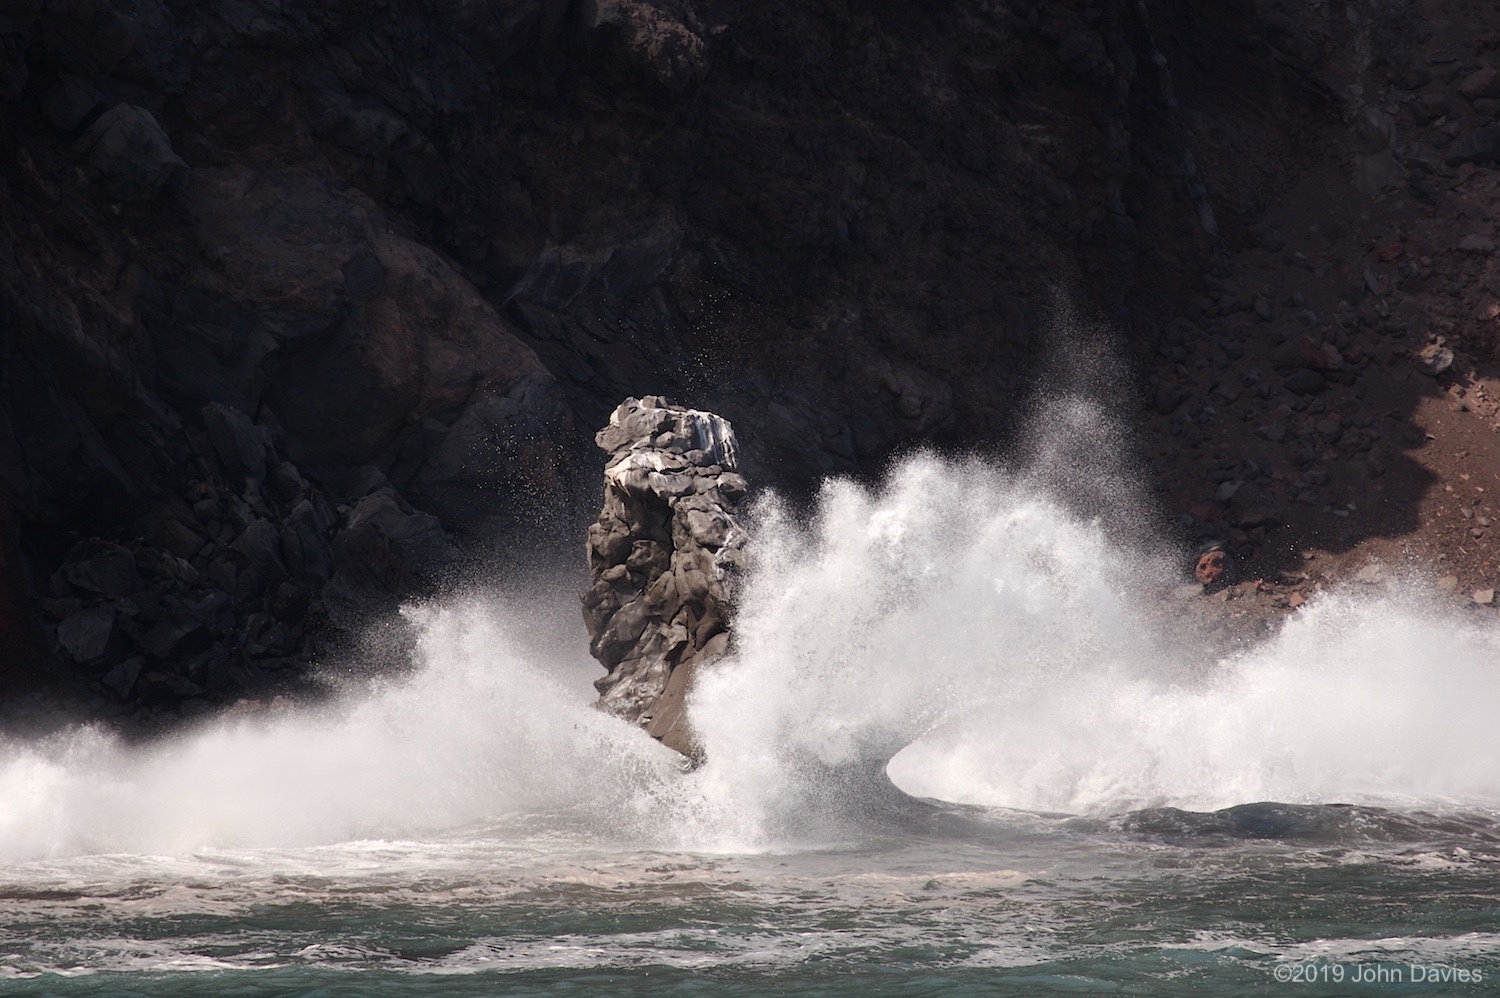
1477, 244
1434, 359
1214, 567
1483, 82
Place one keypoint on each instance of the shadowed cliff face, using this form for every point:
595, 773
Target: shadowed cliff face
415, 250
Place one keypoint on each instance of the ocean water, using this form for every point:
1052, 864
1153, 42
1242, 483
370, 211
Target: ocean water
965, 747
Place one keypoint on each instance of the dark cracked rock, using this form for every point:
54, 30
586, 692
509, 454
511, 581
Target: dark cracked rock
664, 557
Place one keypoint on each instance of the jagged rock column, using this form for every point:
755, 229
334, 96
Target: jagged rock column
664, 557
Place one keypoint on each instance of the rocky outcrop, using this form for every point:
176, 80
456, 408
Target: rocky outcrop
223, 590
267, 427
419, 245
663, 557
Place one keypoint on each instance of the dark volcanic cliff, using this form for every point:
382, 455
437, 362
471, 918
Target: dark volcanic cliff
294, 297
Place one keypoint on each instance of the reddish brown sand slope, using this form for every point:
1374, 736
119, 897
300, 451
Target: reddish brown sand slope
1297, 413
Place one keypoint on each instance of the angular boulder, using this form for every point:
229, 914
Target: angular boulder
131, 154
664, 557
240, 444
89, 636
384, 545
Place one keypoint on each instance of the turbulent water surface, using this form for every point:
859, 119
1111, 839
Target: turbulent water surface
1082, 808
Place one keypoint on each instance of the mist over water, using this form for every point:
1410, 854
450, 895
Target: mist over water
1358, 699
477, 732
1010, 653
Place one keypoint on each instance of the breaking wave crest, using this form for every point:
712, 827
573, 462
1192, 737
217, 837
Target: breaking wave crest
994, 644
1008, 652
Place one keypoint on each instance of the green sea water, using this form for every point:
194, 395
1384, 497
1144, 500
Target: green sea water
1002, 904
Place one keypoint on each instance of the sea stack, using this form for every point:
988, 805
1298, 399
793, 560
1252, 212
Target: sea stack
664, 558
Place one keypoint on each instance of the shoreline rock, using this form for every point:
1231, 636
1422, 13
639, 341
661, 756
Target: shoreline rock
664, 559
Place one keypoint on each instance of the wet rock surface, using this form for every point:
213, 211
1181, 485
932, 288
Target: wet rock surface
664, 557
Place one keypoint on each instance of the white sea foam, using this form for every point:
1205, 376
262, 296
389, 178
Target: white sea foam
1020, 653
1358, 699
477, 732
991, 633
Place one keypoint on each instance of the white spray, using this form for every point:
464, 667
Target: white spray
1000, 646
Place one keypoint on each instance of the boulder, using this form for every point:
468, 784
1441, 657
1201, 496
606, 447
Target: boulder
384, 545
130, 154
89, 636
417, 536
304, 543
69, 102
1477, 244
501, 443
1434, 359
240, 444
1480, 146
366, 565
1374, 130
121, 679
1483, 82
1214, 567
260, 543
286, 483
178, 535
663, 556
212, 609
1305, 381
112, 575
645, 40
179, 634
